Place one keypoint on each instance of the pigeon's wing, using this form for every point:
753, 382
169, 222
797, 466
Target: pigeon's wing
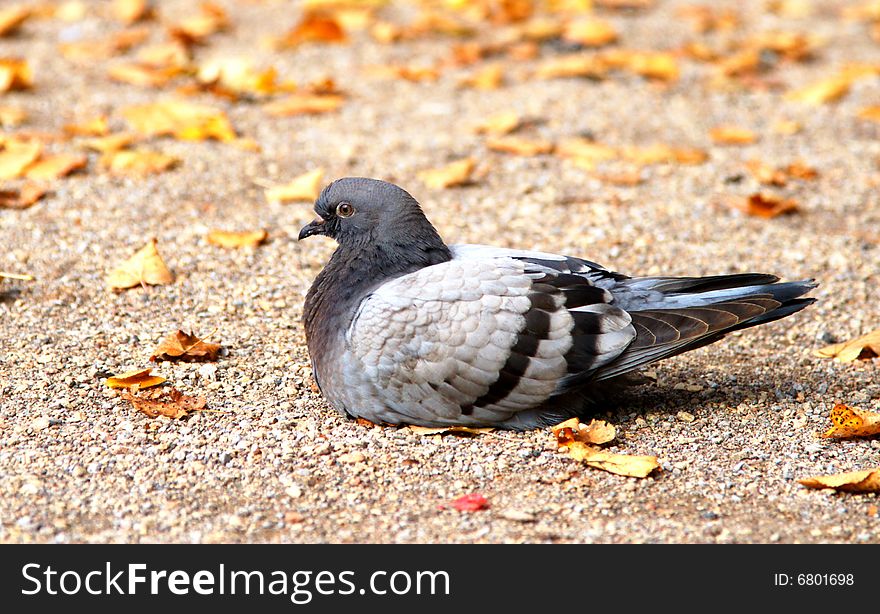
480, 338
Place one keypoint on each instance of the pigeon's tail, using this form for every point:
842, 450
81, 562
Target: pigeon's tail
675, 315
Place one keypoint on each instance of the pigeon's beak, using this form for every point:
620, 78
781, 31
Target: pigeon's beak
315, 227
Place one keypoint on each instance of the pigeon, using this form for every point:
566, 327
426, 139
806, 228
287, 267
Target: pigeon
404, 329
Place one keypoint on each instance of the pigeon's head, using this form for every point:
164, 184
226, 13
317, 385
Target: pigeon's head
356, 210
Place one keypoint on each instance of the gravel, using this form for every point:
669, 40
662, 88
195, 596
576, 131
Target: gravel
734, 425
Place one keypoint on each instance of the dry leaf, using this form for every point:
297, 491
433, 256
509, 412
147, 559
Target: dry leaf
624, 178
851, 422
590, 32
578, 440
304, 104
229, 239
10, 117
733, 135
23, 198
568, 66
658, 65
111, 142
443, 430
870, 113
97, 126
833, 88
519, 146
306, 187
186, 347
56, 166
16, 156
18, 276
137, 162
115, 44
139, 378
865, 347
183, 120
238, 76
131, 11
768, 205
408, 72
12, 17
145, 267
585, 152
314, 27
866, 481
487, 78
143, 75
500, 124
169, 403
595, 433
787, 127
780, 176
660, 153
453, 174
192, 30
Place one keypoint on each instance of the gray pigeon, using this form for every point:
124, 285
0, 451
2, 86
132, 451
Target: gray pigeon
403, 328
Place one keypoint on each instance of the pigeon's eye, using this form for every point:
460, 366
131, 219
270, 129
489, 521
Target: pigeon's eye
344, 209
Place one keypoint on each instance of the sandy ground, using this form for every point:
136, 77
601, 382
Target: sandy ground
734, 425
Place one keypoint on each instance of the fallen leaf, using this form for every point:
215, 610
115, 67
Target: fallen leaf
144, 267
657, 65
768, 205
184, 120
231, 240
470, 503
16, 156
210, 19
519, 146
314, 27
143, 75
139, 378
787, 127
780, 176
500, 124
623, 178
443, 430
660, 154
590, 32
238, 76
832, 88
18, 276
119, 42
870, 113
453, 174
408, 72
12, 17
56, 166
98, 126
586, 152
306, 187
15, 74
111, 142
186, 347
131, 11
23, 198
851, 422
10, 117
568, 66
733, 135
169, 403
304, 104
865, 347
137, 162
866, 481
487, 78
577, 440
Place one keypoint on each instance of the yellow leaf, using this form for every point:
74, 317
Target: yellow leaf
487, 78
56, 166
145, 267
568, 66
866, 481
131, 11
590, 32
15, 74
304, 104
12, 17
138, 162
21, 199
620, 464
16, 156
143, 75
500, 124
595, 433
453, 174
139, 378
865, 347
111, 142
733, 135
183, 120
520, 146
870, 113
851, 422
228, 239
10, 117
97, 126
306, 187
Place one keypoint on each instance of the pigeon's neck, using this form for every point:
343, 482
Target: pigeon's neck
352, 273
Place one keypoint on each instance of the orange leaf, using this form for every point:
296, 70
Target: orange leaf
733, 135
306, 187
139, 378
144, 267
229, 239
185, 346
500, 124
863, 348
131, 11
169, 403
15, 74
314, 27
851, 422
519, 146
768, 205
56, 166
304, 104
453, 174
16, 156
137, 162
590, 32
21, 199
867, 481
94, 127
12, 17
487, 78
568, 66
